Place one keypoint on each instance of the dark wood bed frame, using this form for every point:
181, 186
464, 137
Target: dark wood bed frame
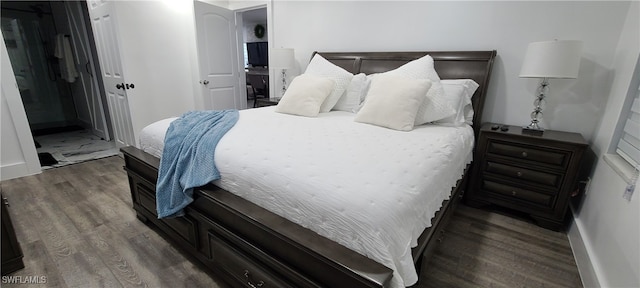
251, 247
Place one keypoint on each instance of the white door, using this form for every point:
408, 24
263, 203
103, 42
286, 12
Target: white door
218, 57
89, 107
104, 25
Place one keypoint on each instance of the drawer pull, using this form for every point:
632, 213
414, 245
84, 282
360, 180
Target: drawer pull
249, 282
514, 193
524, 154
519, 174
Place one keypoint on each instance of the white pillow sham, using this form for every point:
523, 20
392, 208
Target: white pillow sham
354, 95
393, 101
305, 95
323, 68
458, 93
435, 107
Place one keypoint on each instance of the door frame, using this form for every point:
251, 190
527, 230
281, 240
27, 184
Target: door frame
61, 15
31, 164
18, 116
240, 37
241, 70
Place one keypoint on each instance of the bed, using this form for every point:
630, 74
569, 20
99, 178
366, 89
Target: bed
256, 245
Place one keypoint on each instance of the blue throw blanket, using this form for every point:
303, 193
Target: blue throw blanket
187, 159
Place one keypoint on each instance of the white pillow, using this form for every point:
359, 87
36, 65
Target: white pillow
305, 95
458, 93
393, 101
365, 90
354, 95
321, 67
435, 107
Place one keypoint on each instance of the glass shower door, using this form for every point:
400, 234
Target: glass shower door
36, 74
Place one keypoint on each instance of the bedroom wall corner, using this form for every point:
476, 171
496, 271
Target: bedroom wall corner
586, 268
605, 233
191, 35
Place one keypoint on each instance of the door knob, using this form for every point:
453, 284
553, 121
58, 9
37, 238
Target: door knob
130, 86
204, 82
120, 86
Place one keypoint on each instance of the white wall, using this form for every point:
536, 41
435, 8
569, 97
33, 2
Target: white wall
508, 27
606, 223
159, 56
249, 28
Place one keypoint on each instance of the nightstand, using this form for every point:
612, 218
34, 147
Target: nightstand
263, 102
536, 175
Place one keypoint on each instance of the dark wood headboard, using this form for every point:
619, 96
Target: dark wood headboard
474, 65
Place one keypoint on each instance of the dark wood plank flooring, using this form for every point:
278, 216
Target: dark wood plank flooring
76, 227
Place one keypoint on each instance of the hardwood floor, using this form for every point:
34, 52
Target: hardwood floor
76, 226
488, 249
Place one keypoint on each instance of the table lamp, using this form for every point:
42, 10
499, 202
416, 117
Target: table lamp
283, 59
545, 60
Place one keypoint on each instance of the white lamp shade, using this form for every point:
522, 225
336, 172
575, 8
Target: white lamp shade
552, 59
282, 58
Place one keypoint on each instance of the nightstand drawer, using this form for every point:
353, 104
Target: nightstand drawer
510, 192
553, 157
551, 180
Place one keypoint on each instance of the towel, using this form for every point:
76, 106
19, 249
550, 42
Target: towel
65, 54
187, 158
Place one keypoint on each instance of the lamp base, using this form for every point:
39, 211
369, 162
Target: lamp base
536, 116
284, 82
532, 131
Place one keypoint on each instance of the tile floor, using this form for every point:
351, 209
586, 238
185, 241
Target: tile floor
79, 146
75, 147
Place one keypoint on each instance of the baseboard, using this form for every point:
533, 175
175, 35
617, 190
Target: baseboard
581, 254
16, 170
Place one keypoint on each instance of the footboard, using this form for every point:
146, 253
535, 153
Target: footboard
247, 244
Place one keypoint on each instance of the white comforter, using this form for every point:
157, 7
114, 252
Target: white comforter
371, 189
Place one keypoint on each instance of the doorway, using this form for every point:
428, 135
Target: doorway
51, 54
256, 53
